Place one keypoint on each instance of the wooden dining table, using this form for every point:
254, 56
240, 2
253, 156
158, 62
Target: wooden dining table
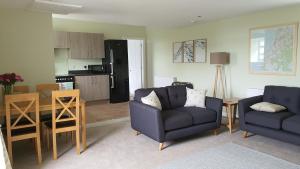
46, 106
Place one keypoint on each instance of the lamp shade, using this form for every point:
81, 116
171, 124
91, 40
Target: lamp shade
220, 58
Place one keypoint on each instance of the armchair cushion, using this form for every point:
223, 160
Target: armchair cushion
267, 107
267, 119
195, 98
152, 100
161, 93
292, 124
199, 115
175, 119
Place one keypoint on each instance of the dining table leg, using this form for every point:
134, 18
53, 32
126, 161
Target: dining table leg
83, 123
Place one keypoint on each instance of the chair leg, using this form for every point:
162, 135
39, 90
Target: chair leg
48, 138
41, 133
9, 149
245, 134
161, 146
66, 134
38, 149
74, 137
54, 146
77, 141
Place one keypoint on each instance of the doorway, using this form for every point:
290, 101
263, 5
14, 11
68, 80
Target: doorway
135, 65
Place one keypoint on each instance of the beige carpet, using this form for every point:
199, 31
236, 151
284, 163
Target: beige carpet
115, 146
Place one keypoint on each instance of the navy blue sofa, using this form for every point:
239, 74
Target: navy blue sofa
284, 125
174, 120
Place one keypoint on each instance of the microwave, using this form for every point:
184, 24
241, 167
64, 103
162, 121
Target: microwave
97, 68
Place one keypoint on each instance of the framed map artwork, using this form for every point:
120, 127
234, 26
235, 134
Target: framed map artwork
273, 50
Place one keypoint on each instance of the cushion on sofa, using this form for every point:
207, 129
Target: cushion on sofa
200, 115
267, 119
292, 124
161, 93
152, 100
177, 95
195, 98
175, 120
288, 97
268, 107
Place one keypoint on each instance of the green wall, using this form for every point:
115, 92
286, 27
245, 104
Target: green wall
26, 45
230, 35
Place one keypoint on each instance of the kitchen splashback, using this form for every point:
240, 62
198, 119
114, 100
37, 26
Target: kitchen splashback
63, 63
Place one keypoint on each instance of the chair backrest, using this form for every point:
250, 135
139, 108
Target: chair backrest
68, 101
45, 90
20, 105
20, 89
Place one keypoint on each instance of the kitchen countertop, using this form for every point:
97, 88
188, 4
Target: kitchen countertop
87, 74
83, 73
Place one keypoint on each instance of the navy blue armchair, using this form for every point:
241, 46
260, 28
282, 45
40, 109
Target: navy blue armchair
284, 125
174, 120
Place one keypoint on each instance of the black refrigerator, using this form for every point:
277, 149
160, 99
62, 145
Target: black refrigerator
116, 62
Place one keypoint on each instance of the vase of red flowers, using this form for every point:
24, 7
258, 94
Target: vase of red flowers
8, 80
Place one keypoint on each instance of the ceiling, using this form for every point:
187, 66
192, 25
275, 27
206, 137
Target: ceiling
161, 13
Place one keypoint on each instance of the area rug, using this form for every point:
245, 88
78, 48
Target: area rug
229, 156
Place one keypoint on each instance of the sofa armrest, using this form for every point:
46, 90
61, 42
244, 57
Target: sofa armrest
147, 120
244, 107
216, 105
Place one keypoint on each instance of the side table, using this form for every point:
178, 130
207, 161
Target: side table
231, 107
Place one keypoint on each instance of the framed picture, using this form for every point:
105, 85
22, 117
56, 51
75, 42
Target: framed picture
200, 48
188, 51
177, 52
273, 49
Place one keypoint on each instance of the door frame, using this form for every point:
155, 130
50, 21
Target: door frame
143, 59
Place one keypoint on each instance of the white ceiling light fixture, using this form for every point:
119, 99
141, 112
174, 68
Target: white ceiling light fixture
196, 20
54, 7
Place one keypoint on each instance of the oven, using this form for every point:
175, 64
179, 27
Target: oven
65, 82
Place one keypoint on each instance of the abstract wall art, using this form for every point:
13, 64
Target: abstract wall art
188, 51
200, 47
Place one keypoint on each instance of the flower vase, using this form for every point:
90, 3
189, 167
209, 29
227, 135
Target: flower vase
6, 90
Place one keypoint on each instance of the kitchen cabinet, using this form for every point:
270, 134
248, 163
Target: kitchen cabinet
61, 39
94, 87
86, 45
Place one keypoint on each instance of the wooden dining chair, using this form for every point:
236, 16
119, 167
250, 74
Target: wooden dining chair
67, 120
20, 89
45, 90
24, 126
17, 90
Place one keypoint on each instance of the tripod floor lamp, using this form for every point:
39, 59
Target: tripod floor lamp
219, 59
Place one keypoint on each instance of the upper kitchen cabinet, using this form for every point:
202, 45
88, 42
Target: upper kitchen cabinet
61, 39
86, 45
97, 50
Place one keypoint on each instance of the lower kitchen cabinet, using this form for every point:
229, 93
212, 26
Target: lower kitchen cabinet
94, 87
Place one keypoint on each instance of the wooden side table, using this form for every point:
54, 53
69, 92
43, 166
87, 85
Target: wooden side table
231, 106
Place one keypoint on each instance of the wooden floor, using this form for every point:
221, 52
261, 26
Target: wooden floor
102, 110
